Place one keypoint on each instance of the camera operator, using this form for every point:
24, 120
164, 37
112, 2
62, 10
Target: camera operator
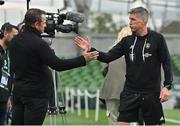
8, 31
30, 57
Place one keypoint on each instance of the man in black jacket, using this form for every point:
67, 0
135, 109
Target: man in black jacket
30, 58
145, 52
8, 31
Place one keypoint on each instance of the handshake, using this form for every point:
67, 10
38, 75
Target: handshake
85, 45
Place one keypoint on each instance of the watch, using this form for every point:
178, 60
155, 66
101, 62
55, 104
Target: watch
169, 86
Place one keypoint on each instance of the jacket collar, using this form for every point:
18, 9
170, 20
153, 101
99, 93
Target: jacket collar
31, 29
145, 36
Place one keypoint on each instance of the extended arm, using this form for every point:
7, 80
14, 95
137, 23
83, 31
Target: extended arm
49, 58
114, 53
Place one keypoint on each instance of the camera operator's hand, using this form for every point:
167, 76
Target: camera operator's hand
90, 55
82, 43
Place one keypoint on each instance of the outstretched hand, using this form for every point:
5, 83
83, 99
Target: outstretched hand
82, 43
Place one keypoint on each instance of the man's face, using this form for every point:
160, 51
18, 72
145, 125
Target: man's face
40, 26
135, 22
10, 35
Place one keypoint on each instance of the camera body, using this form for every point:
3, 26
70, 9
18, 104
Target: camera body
54, 22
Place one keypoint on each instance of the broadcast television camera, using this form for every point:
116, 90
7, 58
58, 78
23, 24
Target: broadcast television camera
55, 22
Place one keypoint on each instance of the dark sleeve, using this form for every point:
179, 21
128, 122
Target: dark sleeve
166, 62
11, 80
49, 58
113, 54
10, 84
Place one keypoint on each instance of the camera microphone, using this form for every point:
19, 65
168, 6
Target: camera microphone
75, 17
1, 2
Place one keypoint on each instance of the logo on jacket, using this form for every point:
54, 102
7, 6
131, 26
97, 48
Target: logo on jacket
148, 45
147, 55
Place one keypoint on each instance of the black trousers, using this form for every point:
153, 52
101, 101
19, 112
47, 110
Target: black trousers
3, 107
29, 111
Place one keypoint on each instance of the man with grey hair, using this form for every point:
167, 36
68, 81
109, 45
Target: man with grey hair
145, 52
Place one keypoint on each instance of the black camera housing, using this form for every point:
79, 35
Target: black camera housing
54, 22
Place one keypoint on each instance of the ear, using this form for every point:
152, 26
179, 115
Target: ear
145, 20
5, 34
36, 25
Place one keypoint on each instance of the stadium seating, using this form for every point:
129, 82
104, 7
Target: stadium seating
88, 77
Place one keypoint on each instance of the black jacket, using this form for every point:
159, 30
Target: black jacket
144, 57
30, 57
4, 71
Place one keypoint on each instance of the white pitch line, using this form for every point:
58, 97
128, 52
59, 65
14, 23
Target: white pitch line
172, 120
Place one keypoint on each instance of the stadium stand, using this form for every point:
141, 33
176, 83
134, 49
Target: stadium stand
88, 77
